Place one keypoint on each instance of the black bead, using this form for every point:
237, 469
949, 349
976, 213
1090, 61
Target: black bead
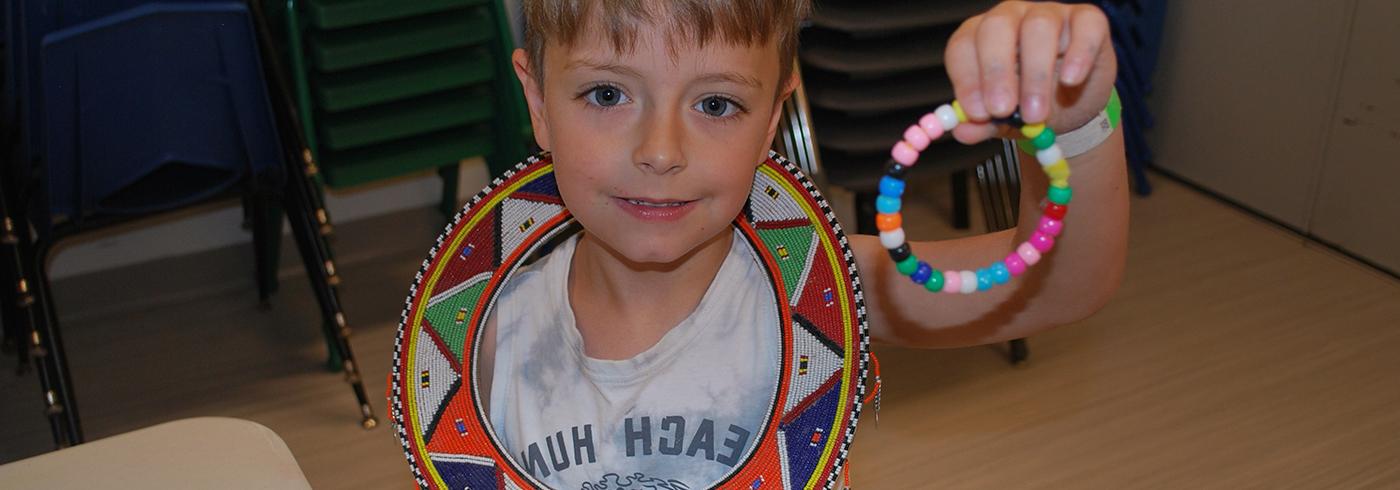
1014, 120
901, 253
894, 169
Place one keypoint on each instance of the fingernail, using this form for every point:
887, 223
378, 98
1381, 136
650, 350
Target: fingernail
975, 108
1070, 73
1033, 109
999, 102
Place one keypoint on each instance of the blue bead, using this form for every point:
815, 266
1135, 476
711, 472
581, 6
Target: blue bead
891, 186
1000, 274
887, 204
922, 274
984, 279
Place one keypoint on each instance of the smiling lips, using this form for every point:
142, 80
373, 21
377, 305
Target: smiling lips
655, 209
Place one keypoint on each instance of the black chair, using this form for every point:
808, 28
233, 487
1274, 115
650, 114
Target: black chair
141, 111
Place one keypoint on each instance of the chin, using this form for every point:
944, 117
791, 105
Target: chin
656, 251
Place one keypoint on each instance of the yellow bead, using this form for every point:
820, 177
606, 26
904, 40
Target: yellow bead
1060, 182
962, 116
1030, 131
1058, 171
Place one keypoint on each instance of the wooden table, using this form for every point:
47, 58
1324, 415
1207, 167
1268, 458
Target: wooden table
205, 452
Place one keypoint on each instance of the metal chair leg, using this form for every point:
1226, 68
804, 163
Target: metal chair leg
33, 305
304, 206
961, 213
999, 183
321, 271
1018, 351
46, 346
451, 175
865, 213
267, 217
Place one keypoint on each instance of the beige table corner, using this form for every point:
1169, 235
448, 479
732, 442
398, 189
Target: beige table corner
205, 452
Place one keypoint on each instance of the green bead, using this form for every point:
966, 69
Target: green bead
908, 265
1060, 195
1044, 139
935, 281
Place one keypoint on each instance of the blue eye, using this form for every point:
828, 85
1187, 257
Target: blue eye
716, 106
605, 96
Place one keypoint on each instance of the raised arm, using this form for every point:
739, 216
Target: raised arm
997, 61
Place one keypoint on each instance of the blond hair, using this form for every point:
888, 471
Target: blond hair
738, 22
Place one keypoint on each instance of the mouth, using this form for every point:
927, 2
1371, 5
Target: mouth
654, 209
656, 203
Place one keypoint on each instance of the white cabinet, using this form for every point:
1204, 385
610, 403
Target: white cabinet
1357, 206
1290, 108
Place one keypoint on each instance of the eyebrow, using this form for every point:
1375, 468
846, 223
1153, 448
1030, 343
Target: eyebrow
732, 77
629, 72
611, 67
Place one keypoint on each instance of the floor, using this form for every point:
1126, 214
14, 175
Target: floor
1235, 355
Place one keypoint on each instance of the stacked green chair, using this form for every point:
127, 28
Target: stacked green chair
387, 88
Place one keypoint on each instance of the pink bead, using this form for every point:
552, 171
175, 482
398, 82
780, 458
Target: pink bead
931, 126
1015, 264
1042, 242
1028, 253
916, 138
904, 154
952, 281
1050, 226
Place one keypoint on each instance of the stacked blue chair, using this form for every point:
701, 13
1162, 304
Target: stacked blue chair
131, 108
1137, 37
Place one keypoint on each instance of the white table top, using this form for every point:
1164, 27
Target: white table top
205, 452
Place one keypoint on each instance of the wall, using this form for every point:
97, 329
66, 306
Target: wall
1290, 108
218, 226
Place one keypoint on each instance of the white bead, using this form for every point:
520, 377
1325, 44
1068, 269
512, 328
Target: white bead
969, 282
947, 117
1049, 156
892, 239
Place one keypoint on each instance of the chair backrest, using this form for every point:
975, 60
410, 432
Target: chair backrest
794, 138
999, 183
153, 108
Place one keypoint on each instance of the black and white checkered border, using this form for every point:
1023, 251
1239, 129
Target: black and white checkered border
842, 456
396, 400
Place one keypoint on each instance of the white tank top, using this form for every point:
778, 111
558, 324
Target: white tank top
679, 415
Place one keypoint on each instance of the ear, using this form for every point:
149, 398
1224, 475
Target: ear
533, 97
789, 86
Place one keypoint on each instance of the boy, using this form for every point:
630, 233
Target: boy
656, 115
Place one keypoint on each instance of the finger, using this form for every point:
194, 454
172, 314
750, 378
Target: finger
960, 59
996, 56
1088, 33
971, 133
1040, 39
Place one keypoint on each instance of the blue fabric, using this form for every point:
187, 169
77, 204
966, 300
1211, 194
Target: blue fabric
152, 108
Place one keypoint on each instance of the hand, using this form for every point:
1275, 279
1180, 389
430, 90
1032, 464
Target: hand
1054, 61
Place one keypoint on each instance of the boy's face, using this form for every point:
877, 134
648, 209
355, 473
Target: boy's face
654, 149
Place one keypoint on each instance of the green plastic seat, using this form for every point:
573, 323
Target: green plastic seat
338, 14
345, 131
405, 79
408, 155
405, 38
388, 88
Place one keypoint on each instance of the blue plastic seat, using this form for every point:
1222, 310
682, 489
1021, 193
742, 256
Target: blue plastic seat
153, 108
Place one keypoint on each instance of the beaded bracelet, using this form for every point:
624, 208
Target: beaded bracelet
890, 223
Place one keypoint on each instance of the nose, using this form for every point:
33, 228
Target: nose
662, 137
